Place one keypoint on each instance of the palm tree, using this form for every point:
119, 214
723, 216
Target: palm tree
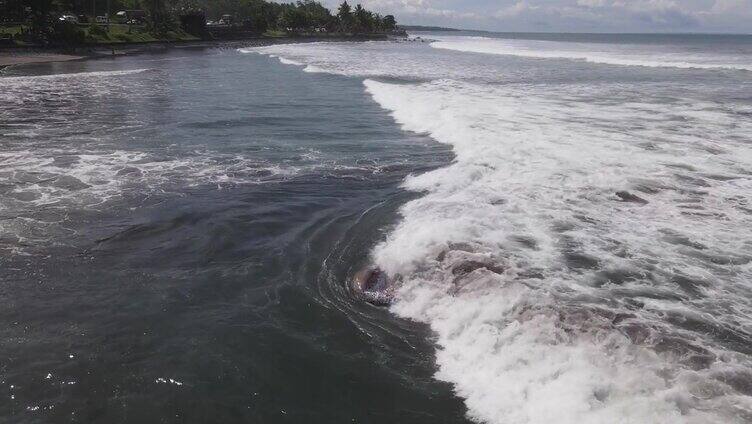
390, 23
360, 18
344, 14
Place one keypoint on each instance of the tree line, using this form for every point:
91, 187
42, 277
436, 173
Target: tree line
301, 16
256, 15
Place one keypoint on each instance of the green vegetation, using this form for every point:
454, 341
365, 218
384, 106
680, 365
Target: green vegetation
301, 16
75, 22
121, 33
10, 30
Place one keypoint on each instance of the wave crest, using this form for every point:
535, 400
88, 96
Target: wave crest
590, 53
546, 289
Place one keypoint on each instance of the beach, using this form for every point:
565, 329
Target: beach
22, 56
9, 58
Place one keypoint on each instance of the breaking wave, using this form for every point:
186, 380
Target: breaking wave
585, 258
594, 53
554, 295
71, 75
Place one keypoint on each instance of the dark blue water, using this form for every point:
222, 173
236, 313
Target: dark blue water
170, 236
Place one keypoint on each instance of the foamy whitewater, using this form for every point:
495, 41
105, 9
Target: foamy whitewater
605, 187
663, 55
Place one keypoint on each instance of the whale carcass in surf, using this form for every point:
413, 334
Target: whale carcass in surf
373, 286
462, 261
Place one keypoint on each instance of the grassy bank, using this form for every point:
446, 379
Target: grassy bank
121, 33
98, 34
10, 30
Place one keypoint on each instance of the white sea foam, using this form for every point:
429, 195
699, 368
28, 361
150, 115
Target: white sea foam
53, 183
28, 91
344, 59
71, 75
637, 55
551, 298
522, 346
51, 177
289, 62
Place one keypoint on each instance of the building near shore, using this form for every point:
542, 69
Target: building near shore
131, 15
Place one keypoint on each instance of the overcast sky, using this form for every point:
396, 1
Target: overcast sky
574, 15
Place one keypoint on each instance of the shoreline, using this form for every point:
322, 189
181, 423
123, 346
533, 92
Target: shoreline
26, 58
34, 55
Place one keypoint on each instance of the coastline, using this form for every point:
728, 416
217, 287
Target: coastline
27, 57
33, 55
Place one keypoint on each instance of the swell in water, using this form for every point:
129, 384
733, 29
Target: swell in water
73, 75
585, 258
638, 55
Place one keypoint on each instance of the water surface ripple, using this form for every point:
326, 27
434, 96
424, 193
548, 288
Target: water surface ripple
567, 219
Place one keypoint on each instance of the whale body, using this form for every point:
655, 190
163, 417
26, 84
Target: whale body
373, 286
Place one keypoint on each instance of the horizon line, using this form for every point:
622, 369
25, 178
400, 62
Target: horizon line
439, 27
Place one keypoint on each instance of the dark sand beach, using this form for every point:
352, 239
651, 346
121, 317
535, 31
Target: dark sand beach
9, 58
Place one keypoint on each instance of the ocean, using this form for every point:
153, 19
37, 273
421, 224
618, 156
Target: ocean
566, 222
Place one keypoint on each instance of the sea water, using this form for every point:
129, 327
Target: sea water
178, 231
609, 177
